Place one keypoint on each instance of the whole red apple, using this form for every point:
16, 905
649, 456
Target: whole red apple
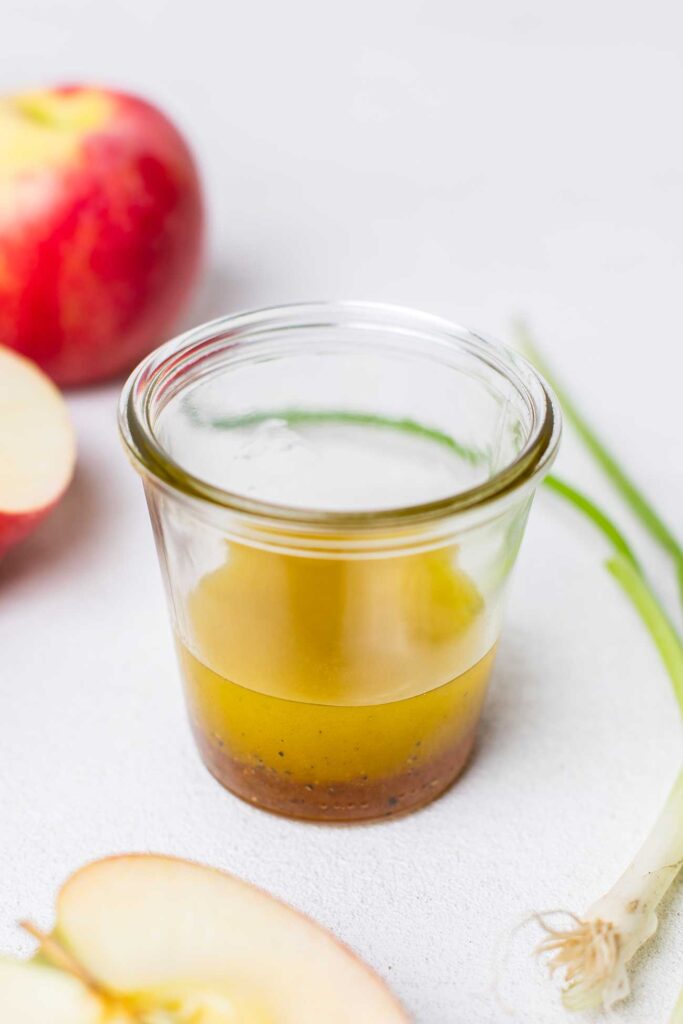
101, 223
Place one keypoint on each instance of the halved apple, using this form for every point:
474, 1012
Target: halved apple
37, 447
31, 994
154, 940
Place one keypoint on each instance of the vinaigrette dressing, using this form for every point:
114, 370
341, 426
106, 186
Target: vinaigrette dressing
331, 688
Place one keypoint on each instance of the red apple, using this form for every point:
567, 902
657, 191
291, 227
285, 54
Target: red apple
37, 447
101, 227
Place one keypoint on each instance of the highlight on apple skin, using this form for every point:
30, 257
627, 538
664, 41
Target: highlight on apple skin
155, 940
37, 447
101, 228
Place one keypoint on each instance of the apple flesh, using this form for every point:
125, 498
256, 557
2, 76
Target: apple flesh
156, 940
101, 222
37, 447
32, 994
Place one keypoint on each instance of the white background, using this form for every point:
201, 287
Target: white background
475, 160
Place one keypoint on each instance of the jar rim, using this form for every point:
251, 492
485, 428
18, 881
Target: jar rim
190, 348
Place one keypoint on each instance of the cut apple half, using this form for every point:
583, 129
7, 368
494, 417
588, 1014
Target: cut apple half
152, 940
31, 994
37, 447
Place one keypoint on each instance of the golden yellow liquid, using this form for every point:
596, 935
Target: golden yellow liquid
335, 688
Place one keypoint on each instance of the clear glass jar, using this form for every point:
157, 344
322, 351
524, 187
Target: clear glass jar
338, 493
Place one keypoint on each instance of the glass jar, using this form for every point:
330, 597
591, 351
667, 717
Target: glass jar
338, 493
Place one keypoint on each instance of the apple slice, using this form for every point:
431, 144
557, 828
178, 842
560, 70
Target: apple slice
37, 447
32, 994
156, 940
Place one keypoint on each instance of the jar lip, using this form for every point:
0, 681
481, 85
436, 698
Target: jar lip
152, 460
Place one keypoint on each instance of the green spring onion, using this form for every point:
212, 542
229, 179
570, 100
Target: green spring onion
613, 470
594, 952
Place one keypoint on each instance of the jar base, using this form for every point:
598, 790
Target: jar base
356, 800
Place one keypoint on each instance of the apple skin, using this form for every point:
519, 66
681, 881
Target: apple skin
100, 246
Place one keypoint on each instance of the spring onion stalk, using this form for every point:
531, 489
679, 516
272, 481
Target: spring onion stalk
593, 953
595, 514
615, 472
647, 605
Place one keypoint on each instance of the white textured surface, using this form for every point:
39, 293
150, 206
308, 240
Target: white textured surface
474, 160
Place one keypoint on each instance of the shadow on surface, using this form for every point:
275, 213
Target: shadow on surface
512, 681
74, 522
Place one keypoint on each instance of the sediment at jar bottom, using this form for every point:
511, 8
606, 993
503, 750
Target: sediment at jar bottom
331, 762
358, 799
